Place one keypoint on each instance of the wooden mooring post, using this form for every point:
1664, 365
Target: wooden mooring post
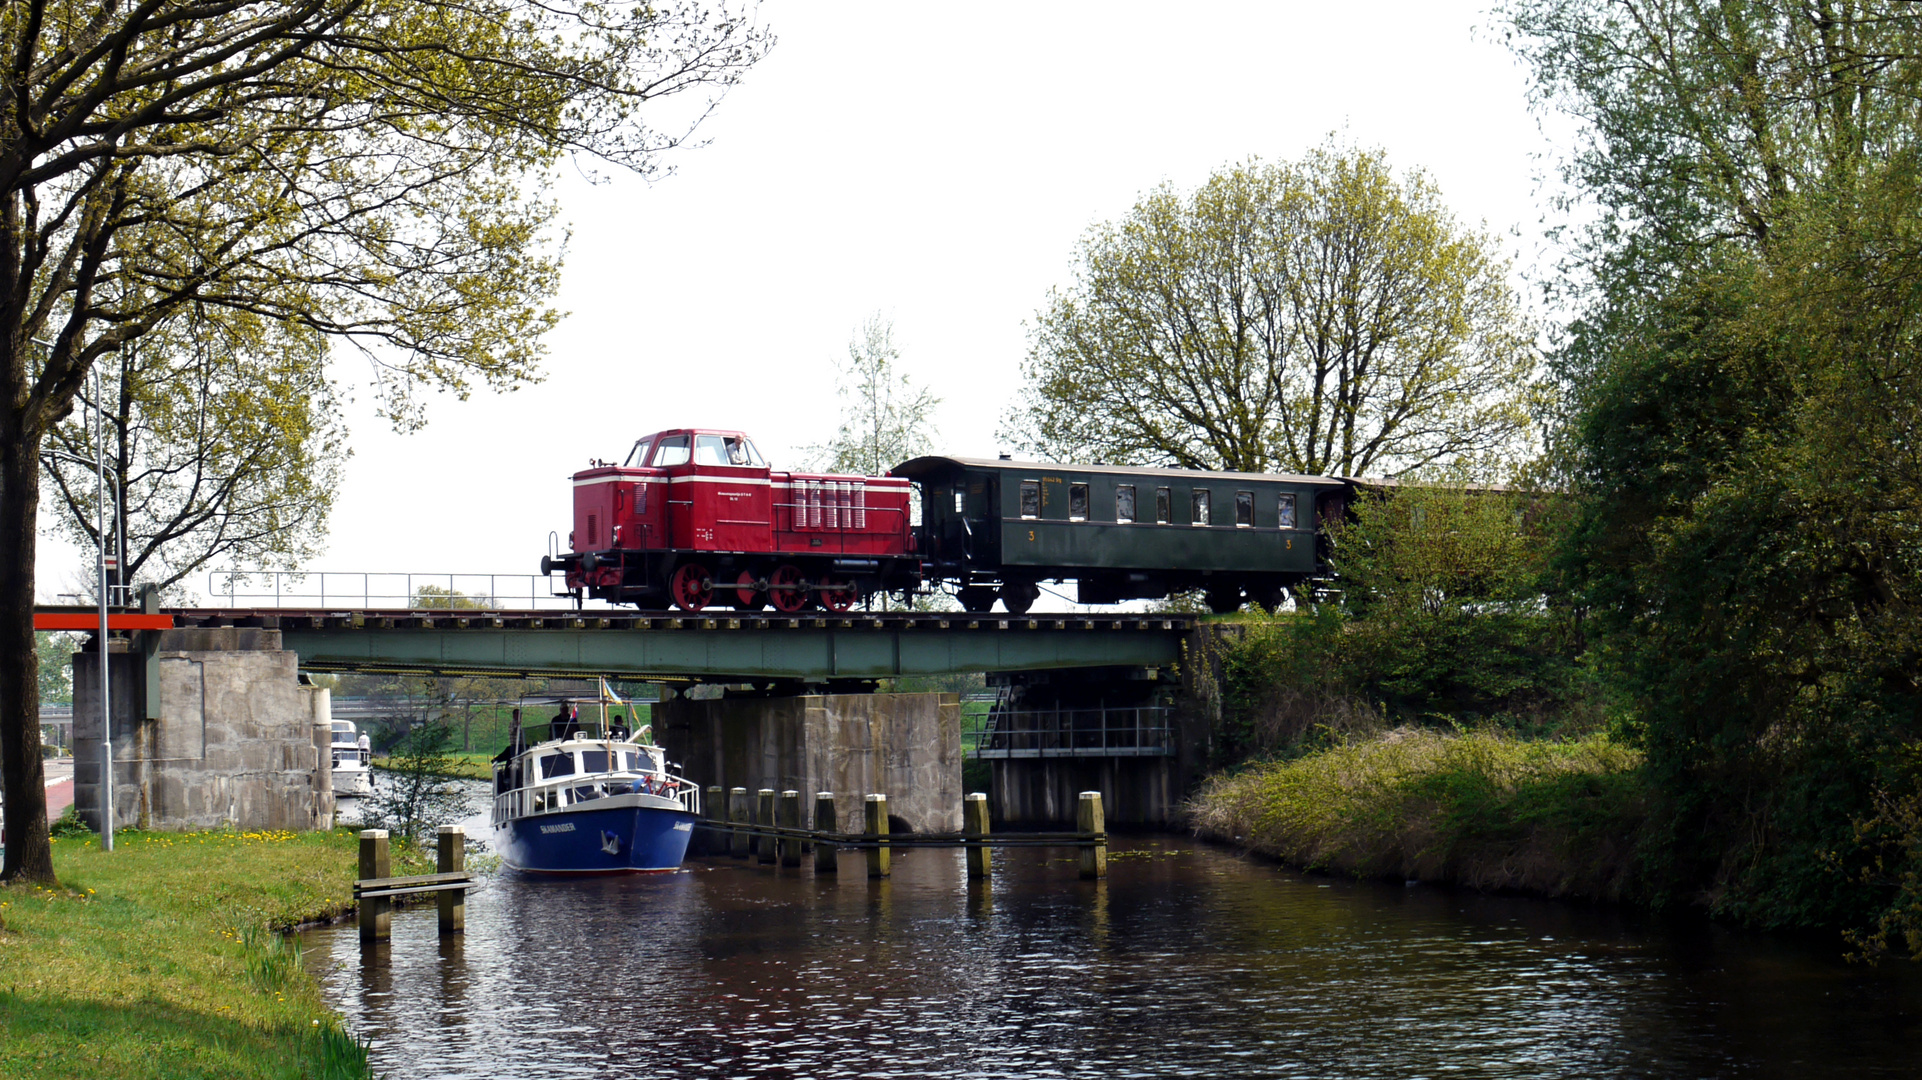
1089, 821
375, 889
450, 857
791, 819
827, 857
764, 815
375, 914
974, 825
737, 814
880, 861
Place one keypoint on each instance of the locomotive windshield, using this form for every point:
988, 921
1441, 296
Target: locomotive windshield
672, 451
637, 456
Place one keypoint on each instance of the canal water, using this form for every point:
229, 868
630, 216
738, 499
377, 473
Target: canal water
1188, 960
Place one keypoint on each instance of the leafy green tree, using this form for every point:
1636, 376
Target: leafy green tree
1318, 316
372, 172
417, 792
1743, 386
885, 419
224, 444
56, 665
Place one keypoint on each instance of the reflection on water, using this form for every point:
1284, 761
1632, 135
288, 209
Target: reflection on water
1186, 961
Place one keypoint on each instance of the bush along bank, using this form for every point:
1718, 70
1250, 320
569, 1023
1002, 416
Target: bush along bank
1484, 809
164, 958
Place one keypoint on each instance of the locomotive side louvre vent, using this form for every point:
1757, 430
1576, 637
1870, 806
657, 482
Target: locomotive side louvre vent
593, 529
640, 498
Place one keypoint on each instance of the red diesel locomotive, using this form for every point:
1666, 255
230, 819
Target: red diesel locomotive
695, 516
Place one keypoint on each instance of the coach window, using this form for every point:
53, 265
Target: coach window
1201, 507
1285, 511
960, 502
1030, 498
1164, 506
672, 451
1244, 509
1077, 502
1124, 502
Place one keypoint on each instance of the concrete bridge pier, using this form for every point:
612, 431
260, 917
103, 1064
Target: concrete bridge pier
906, 745
222, 734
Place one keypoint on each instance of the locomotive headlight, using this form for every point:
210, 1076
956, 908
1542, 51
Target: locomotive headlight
615, 536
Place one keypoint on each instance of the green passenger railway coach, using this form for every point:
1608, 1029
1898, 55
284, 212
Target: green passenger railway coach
996, 528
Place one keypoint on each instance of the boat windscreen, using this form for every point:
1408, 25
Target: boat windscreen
557, 765
593, 761
634, 761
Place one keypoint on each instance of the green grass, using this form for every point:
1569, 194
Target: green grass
162, 958
474, 766
1480, 808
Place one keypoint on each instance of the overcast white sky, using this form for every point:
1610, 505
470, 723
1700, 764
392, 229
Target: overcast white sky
931, 162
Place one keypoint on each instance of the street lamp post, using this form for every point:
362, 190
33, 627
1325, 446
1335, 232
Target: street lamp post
100, 534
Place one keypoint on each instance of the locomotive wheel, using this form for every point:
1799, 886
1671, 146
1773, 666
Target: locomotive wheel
838, 597
749, 594
690, 587
788, 588
1019, 596
1224, 599
976, 598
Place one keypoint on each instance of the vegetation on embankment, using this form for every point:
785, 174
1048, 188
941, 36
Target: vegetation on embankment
1480, 808
163, 959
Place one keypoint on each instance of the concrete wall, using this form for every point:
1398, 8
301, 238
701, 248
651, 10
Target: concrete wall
1033, 793
234, 739
907, 746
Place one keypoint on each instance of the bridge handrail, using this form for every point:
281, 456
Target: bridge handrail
1066, 728
374, 589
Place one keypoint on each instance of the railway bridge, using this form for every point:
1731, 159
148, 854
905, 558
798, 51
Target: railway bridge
1086, 701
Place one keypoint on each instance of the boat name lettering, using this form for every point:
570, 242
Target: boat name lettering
565, 826
684, 826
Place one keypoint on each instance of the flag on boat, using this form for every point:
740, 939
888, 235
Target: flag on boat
608, 696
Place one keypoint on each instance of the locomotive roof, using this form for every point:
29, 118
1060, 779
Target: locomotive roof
922, 465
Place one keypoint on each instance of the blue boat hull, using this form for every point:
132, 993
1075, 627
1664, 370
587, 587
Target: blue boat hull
613, 840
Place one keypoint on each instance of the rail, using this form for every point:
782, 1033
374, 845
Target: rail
1099, 731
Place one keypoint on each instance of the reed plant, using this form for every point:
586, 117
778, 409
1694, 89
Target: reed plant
1481, 808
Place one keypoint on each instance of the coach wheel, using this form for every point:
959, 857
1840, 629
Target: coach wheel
838, 597
976, 598
690, 587
1223, 599
1270, 597
788, 588
1019, 596
749, 594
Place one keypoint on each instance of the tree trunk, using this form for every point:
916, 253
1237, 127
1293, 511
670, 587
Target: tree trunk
22, 776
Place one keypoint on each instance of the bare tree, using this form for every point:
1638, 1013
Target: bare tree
885, 419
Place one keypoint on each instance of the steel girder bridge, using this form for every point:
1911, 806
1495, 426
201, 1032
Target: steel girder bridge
708, 647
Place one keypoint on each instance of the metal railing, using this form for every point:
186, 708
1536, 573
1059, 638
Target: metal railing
359, 590
1094, 731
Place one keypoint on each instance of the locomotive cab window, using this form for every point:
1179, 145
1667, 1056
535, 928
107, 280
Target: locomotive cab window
639, 454
710, 450
1030, 498
672, 451
1244, 509
1077, 502
1285, 511
1201, 507
1124, 502
1164, 506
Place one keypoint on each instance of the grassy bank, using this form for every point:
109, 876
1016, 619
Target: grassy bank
159, 959
464, 766
1480, 809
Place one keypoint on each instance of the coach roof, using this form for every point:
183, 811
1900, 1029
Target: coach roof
921, 466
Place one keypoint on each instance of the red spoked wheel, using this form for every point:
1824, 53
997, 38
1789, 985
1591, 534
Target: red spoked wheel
750, 594
690, 587
788, 588
837, 597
